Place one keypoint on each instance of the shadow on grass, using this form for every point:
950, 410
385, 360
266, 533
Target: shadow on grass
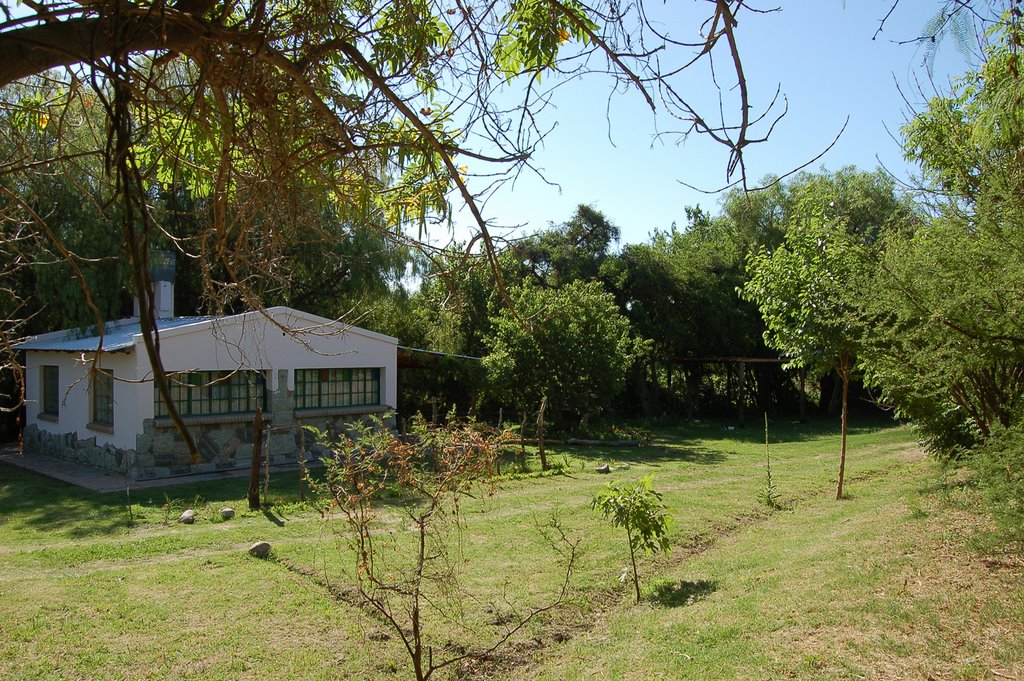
651, 455
780, 430
679, 594
41, 503
269, 515
709, 443
38, 502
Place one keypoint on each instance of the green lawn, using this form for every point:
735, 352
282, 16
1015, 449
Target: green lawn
884, 584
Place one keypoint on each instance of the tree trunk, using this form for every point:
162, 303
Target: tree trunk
632, 559
540, 433
254, 469
802, 377
728, 385
844, 374
137, 244
834, 401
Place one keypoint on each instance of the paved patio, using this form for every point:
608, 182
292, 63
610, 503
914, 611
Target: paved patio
103, 481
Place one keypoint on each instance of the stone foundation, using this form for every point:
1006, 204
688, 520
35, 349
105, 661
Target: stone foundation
224, 444
68, 446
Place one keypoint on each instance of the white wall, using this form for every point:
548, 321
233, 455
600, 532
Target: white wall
251, 341
75, 407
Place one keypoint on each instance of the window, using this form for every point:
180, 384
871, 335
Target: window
209, 393
103, 398
324, 388
50, 398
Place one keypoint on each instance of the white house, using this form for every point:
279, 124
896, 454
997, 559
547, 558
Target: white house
296, 367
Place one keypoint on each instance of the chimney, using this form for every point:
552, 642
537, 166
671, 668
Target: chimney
162, 271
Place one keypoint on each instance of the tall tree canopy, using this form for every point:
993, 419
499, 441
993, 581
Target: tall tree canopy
568, 345
945, 307
383, 110
572, 251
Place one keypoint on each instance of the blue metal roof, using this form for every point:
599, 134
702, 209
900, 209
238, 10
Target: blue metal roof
116, 336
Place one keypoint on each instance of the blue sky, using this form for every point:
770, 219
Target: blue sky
821, 54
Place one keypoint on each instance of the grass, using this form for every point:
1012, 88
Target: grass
884, 584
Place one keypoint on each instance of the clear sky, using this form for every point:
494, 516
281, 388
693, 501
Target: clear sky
821, 54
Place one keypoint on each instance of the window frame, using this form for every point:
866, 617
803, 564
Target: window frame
337, 388
101, 399
49, 391
214, 393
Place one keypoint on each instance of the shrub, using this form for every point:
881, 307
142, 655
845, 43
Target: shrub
999, 464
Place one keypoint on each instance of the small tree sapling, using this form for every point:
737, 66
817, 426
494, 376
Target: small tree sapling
638, 508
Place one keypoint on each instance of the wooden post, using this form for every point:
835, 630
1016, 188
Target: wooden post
728, 382
266, 468
522, 444
497, 457
742, 389
302, 463
254, 468
540, 433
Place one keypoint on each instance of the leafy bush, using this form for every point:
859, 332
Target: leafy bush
999, 464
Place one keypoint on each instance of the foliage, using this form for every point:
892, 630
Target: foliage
637, 508
458, 298
573, 251
440, 385
965, 140
866, 201
58, 246
315, 142
569, 344
803, 290
999, 464
679, 291
679, 288
946, 314
945, 309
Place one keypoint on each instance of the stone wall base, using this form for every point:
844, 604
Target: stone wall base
160, 451
69, 447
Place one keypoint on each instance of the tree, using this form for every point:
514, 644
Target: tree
573, 251
637, 508
407, 576
947, 348
385, 109
803, 290
569, 346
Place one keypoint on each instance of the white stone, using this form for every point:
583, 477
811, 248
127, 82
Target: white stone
188, 517
260, 549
